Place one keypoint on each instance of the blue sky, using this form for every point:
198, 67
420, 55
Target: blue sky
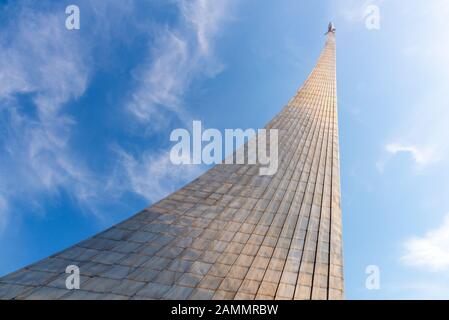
85, 118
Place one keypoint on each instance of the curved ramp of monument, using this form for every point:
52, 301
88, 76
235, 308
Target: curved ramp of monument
229, 234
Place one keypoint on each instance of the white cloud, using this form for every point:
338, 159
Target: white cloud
421, 157
163, 81
44, 63
354, 11
430, 251
425, 60
206, 17
152, 176
178, 56
39, 58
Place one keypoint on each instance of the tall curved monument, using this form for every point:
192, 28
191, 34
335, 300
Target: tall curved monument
229, 234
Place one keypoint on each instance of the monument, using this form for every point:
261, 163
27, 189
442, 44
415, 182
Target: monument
229, 234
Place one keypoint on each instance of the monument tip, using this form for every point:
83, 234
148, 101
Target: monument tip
330, 28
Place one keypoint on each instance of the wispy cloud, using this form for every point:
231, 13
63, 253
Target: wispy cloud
354, 11
421, 157
419, 287
421, 127
151, 175
178, 56
430, 251
3, 212
39, 61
